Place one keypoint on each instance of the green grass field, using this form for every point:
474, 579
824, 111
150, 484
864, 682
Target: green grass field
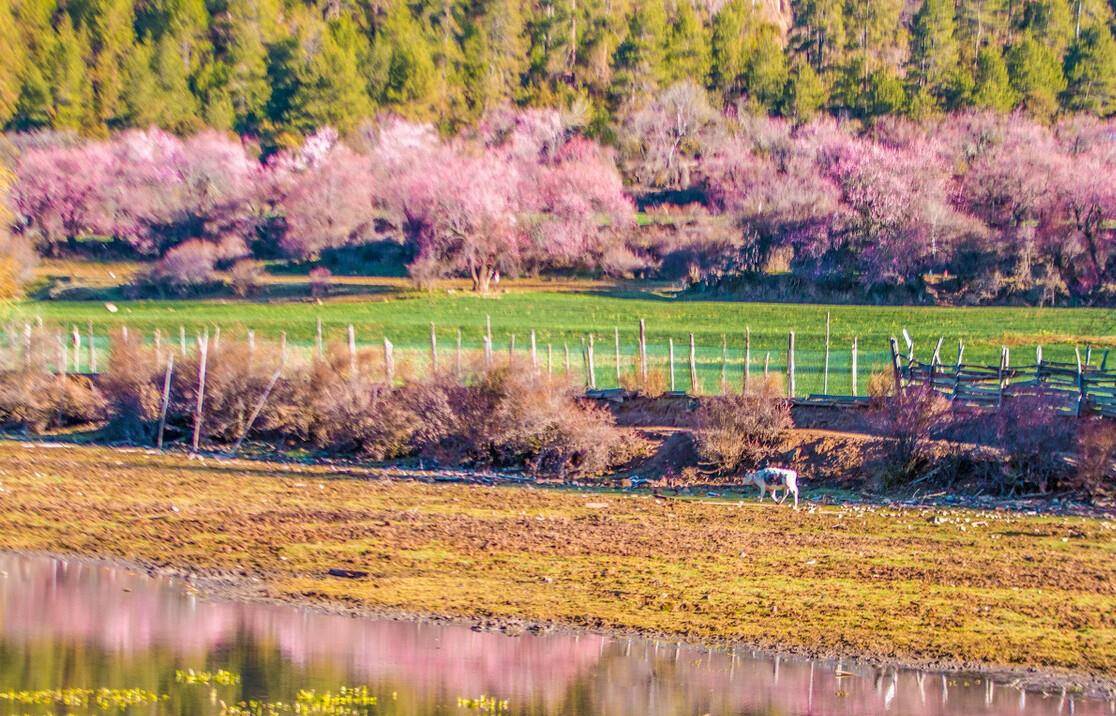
567, 317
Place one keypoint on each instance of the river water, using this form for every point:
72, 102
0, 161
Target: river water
72, 624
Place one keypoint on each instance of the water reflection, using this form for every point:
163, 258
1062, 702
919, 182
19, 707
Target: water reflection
66, 623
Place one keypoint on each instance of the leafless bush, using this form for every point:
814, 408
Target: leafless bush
1096, 457
906, 421
245, 277
236, 377
1032, 433
735, 432
36, 401
132, 386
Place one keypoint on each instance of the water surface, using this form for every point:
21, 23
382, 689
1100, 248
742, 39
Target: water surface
76, 624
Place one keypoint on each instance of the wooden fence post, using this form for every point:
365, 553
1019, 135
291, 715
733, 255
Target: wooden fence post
643, 352
616, 343
511, 346
459, 359
670, 343
549, 361
766, 364
123, 331
724, 364
159, 346
389, 362
896, 373
199, 414
825, 369
216, 337
487, 350
63, 354
534, 351
259, 406
1080, 381
433, 347
319, 339
77, 349
566, 347
352, 352
747, 358
695, 388
488, 327
166, 400
182, 339
854, 367
92, 350
592, 365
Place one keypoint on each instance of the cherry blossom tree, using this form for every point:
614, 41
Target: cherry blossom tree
59, 194
325, 193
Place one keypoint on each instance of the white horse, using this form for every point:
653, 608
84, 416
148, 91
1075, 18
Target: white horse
780, 479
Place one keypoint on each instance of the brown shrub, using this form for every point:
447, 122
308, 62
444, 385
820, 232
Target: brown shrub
655, 384
133, 387
235, 379
35, 400
881, 384
906, 422
1031, 432
735, 432
1096, 457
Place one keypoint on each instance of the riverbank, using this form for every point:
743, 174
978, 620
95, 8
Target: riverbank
938, 588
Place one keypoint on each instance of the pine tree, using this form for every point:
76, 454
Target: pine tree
992, 85
765, 76
1049, 21
407, 76
113, 40
71, 89
251, 24
1036, 75
806, 93
820, 32
638, 61
731, 27
686, 54
934, 52
495, 55
1091, 73
34, 108
12, 60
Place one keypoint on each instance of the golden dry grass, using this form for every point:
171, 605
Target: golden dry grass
925, 586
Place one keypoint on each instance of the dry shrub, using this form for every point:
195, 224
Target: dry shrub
133, 387
245, 277
655, 384
35, 400
1031, 432
1096, 457
881, 384
770, 384
235, 379
907, 421
735, 432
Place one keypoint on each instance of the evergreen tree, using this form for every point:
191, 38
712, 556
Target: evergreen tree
113, 40
983, 21
731, 27
1036, 75
934, 52
806, 93
686, 54
1050, 21
992, 85
1091, 73
71, 90
34, 108
408, 75
638, 61
251, 24
820, 32
315, 78
12, 60
765, 76
495, 55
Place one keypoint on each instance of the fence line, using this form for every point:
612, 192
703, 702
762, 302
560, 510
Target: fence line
816, 373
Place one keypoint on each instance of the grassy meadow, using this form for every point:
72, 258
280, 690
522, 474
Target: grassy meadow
933, 586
